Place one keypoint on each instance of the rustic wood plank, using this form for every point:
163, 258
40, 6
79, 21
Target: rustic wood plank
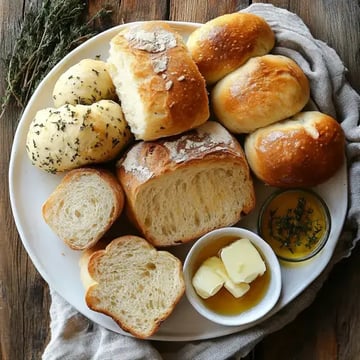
204, 10
24, 299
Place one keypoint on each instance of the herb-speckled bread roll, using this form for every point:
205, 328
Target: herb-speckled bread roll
161, 90
71, 136
84, 83
304, 150
180, 188
265, 90
223, 44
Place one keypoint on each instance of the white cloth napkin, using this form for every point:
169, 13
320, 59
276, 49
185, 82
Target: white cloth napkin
75, 337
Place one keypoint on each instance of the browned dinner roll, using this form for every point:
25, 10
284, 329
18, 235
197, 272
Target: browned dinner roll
303, 151
228, 41
161, 90
266, 89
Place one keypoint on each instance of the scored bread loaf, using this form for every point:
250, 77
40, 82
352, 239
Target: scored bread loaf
133, 283
302, 151
161, 90
178, 189
84, 206
223, 44
72, 136
266, 89
86, 82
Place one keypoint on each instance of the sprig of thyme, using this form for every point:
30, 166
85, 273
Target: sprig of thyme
47, 35
296, 227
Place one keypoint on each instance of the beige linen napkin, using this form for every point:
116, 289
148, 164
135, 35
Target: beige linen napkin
75, 337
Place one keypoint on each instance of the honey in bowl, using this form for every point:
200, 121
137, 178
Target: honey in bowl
295, 223
223, 302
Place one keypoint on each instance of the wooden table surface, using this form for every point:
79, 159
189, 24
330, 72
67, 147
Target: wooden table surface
328, 329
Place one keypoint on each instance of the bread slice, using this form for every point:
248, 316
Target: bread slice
133, 283
84, 206
179, 189
161, 90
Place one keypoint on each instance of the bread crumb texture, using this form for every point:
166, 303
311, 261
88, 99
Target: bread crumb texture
136, 285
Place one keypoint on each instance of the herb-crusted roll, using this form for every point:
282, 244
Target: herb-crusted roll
84, 83
161, 90
75, 135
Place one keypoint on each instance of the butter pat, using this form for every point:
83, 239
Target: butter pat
242, 261
207, 281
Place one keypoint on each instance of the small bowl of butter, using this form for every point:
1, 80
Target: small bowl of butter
232, 276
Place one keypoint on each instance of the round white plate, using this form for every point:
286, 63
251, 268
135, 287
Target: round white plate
58, 265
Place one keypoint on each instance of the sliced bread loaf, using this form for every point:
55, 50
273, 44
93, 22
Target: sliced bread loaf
178, 189
84, 206
133, 283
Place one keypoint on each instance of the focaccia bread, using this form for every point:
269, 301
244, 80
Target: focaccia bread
180, 188
133, 283
71, 136
161, 90
265, 90
86, 82
223, 44
305, 150
84, 206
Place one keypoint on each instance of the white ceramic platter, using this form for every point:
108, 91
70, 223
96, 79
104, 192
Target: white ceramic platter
58, 265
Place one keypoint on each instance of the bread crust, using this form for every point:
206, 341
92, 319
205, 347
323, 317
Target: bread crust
89, 264
73, 176
265, 90
303, 151
223, 44
146, 162
170, 87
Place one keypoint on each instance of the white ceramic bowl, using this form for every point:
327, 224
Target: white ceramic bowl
266, 302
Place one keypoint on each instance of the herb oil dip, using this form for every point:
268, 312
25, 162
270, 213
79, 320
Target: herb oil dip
295, 223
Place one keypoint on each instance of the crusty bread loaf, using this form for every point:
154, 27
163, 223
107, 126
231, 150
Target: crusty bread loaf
223, 44
86, 82
266, 89
180, 188
304, 151
133, 283
84, 206
161, 90
72, 136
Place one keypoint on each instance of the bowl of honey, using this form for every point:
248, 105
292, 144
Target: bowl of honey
232, 276
295, 223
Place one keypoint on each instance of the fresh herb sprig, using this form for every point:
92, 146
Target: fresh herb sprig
46, 36
296, 227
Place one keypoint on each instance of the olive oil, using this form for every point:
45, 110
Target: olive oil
224, 302
295, 224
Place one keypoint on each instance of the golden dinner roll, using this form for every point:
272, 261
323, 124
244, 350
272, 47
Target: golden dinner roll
161, 90
223, 44
86, 82
303, 151
265, 90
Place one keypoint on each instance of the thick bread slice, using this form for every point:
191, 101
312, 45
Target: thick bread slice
179, 189
133, 283
161, 90
84, 206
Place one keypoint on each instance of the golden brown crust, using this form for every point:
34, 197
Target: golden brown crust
172, 90
304, 151
266, 89
227, 42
